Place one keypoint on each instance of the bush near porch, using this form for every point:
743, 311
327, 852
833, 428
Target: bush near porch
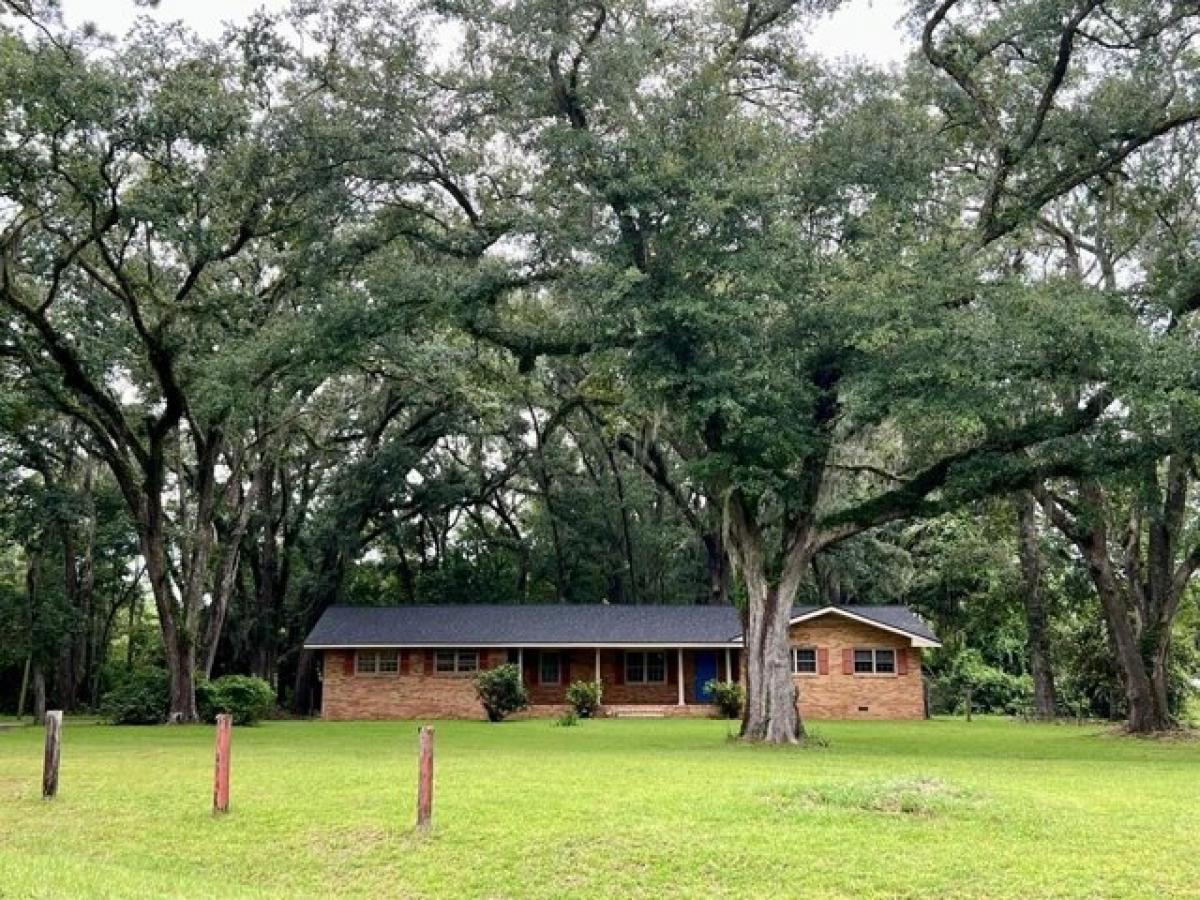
611, 808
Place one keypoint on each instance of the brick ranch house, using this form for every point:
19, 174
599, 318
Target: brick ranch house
408, 662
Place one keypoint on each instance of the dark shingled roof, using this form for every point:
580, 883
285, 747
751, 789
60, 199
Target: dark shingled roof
510, 626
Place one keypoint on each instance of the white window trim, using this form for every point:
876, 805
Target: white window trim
375, 656
796, 662
875, 651
558, 670
458, 669
645, 655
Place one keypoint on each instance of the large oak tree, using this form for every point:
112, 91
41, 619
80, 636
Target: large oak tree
776, 258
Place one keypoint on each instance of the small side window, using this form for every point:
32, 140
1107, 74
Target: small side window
377, 662
804, 661
875, 662
456, 662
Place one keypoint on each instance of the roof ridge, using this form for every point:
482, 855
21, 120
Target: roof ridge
689, 606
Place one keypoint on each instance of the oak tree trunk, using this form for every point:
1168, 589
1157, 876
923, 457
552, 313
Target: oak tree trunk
1040, 666
1144, 677
716, 564
39, 694
772, 711
179, 647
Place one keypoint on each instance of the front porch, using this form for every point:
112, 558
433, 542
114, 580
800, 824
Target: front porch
629, 711
667, 680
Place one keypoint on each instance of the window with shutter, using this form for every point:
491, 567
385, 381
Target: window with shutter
646, 667
377, 662
804, 661
872, 661
456, 662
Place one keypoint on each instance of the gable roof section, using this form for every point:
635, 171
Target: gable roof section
486, 625
896, 619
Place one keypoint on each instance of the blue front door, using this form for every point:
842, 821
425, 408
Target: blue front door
706, 671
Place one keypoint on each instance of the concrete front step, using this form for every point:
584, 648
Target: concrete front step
656, 711
637, 714
627, 711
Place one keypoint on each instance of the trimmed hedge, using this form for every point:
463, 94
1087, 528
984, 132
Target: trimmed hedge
728, 697
247, 698
584, 698
501, 691
140, 697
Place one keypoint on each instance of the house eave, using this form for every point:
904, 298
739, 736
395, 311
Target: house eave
916, 639
588, 645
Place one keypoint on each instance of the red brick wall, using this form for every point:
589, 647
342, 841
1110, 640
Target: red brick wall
412, 693
416, 692
839, 695
583, 668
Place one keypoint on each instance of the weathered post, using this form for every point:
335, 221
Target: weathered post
425, 780
50, 760
221, 777
968, 703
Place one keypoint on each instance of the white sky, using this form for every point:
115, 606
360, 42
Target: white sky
861, 28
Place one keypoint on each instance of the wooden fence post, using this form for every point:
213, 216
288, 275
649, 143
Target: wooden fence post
425, 780
221, 777
50, 760
968, 703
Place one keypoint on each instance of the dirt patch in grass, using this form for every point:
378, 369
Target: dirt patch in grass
347, 843
1184, 734
922, 797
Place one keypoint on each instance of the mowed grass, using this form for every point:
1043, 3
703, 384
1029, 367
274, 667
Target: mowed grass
623, 808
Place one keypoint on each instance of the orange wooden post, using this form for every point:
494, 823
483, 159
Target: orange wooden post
50, 759
425, 780
221, 778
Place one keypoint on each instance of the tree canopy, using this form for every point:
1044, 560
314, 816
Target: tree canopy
556, 301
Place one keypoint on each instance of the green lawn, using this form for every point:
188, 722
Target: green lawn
607, 809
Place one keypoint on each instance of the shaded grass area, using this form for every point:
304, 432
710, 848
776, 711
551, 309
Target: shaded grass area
612, 808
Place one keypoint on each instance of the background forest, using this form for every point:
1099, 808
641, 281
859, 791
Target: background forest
571, 302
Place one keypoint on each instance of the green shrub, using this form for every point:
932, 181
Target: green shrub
569, 719
140, 697
584, 697
993, 690
246, 698
206, 697
501, 691
728, 696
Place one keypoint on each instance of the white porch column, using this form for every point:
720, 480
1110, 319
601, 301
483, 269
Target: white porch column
597, 665
679, 678
521, 662
728, 665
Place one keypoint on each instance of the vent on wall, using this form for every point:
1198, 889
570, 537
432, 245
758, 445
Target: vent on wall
864, 709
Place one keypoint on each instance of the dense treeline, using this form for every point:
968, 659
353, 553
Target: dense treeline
566, 302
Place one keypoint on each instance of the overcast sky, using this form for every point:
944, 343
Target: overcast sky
863, 28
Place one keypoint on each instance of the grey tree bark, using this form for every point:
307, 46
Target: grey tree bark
1036, 618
